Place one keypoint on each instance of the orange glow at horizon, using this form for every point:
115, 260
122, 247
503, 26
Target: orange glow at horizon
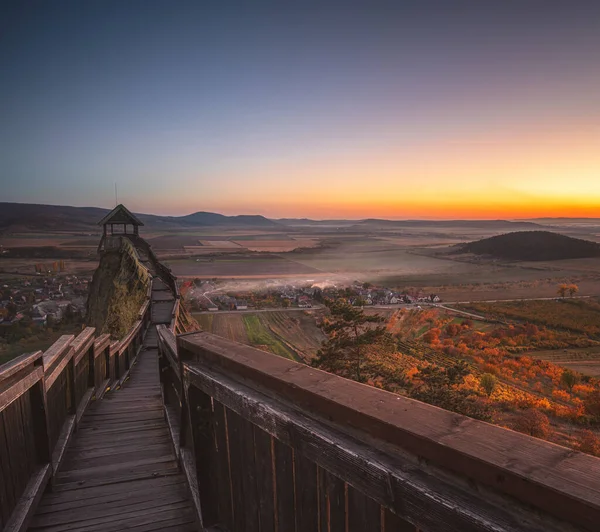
527, 173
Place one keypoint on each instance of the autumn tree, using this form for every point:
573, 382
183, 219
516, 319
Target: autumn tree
589, 442
352, 338
488, 383
573, 289
562, 290
569, 379
592, 404
439, 387
534, 423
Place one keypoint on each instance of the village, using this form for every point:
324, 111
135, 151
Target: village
211, 296
42, 300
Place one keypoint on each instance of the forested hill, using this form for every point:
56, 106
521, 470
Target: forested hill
533, 246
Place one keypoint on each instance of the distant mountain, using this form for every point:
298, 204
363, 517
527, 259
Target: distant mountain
27, 217
480, 224
211, 218
533, 246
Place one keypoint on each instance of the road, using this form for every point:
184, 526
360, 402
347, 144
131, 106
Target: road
393, 307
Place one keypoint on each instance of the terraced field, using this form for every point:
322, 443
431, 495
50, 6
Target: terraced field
293, 335
583, 360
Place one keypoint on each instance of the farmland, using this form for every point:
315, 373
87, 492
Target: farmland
578, 315
239, 266
293, 335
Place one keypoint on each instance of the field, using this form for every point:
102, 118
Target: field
244, 266
583, 360
578, 315
293, 335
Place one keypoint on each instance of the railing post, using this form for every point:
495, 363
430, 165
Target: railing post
196, 442
39, 407
71, 381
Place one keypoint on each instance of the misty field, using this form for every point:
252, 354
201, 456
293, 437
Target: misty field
242, 266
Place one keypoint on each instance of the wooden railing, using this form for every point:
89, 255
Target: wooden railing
271, 444
42, 399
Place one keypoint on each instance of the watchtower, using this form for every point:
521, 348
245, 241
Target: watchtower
115, 225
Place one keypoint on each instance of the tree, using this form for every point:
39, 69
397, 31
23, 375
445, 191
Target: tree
352, 338
569, 379
562, 290
573, 289
589, 442
488, 383
439, 387
592, 404
534, 423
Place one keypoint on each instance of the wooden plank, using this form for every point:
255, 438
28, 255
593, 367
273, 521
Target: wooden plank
224, 487
100, 344
263, 458
59, 367
242, 513
23, 512
58, 454
332, 502
284, 486
432, 501
16, 390
306, 493
83, 342
393, 523
364, 514
56, 350
7, 490
553, 479
17, 364
202, 442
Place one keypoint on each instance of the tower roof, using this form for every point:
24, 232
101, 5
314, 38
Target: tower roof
120, 215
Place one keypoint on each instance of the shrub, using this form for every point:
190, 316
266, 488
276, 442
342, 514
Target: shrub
589, 442
488, 383
534, 423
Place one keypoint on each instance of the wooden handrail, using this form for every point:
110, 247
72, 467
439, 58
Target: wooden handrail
561, 483
19, 363
85, 366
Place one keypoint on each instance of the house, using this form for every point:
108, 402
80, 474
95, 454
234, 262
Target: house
304, 302
213, 308
434, 298
241, 305
38, 316
394, 300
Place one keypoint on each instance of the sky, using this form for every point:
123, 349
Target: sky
422, 109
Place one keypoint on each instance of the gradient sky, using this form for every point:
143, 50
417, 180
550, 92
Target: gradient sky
481, 109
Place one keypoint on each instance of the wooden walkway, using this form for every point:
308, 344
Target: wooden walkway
120, 471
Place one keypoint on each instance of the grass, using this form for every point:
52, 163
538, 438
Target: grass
204, 320
259, 335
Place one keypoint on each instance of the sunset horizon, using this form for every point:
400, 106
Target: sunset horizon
483, 112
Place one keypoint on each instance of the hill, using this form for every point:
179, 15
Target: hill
25, 217
533, 246
479, 224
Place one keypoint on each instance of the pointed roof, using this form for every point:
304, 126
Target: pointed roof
120, 215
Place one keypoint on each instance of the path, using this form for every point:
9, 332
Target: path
120, 471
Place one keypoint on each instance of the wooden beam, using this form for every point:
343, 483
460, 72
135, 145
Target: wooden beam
58, 348
83, 342
556, 480
23, 513
18, 363
100, 344
426, 497
21, 386
60, 367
